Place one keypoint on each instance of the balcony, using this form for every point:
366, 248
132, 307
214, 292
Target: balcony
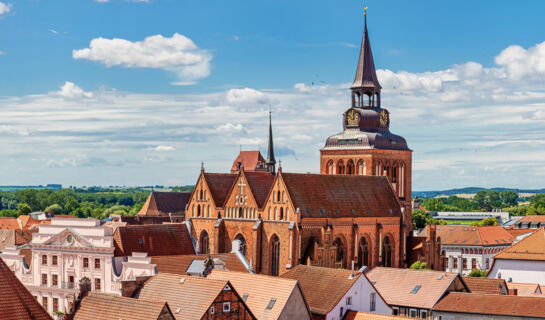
68, 285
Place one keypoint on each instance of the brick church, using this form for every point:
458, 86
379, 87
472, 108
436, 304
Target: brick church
357, 210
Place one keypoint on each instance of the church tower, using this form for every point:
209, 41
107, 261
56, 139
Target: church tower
271, 162
366, 146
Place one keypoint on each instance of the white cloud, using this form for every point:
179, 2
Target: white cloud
53, 31
246, 95
176, 54
70, 90
229, 128
75, 161
235, 37
4, 8
164, 148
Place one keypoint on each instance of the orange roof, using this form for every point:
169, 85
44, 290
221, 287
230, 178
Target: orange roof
192, 295
14, 237
98, 306
355, 315
525, 289
485, 285
518, 232
396, 286
163, 203
249, 161
9, 223
472, 235
532, 219
178, 264
530, 248
27, 221
154, 239
492, 304
15, 300
260, 290
323, 287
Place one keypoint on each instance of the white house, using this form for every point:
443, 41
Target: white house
330, 293
66, 251
523, 262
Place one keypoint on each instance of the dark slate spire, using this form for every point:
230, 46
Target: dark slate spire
271, 162
366, 80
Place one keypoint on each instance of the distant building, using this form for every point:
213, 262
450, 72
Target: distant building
250, 161
468, 217
525, 289
160, 207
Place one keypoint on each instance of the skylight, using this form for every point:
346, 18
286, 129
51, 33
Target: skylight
415, 290
440, 276
271, 303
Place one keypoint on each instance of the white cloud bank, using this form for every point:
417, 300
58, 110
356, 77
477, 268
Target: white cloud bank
70, 90
177, 54
4, 8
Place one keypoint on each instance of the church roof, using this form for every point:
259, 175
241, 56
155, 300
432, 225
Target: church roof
363, 138
366, 75
15, 300
260, 184
321, 195
163, 203
153, 239
219, 184
249, 160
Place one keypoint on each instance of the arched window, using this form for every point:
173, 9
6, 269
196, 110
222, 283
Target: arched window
330, 167
350, 167
198, 211
363, 253
208, 212
361, 168
339, 258
278, 196
281, 213
201, 195
204, 194
240, 213
387, 253
242, 242
275, 256
204, 243
340, 167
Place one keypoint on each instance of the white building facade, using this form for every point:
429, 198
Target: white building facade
67, 251
463, 259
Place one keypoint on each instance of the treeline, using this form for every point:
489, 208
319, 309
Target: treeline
81, 203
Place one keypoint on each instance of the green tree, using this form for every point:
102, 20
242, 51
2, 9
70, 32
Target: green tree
478, 273
433, 204
419, 265
8, 213
421, 218
23, 208
509, 198
54, 207
490, 221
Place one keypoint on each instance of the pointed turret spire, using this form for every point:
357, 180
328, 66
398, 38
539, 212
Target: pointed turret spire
366, 80
271, 162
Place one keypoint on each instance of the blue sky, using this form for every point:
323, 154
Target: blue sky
139, 92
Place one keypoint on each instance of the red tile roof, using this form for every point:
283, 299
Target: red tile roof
319, 195
530, 248
260, 183
395, 286
517, 232
219, 185
154, 239
15, 300
355, 315
163, 203
14, 237
490, 304
249, 160
525, 289
485, 285
473, 236
323, 287
178, 264
9, 223
100, 306
531, 219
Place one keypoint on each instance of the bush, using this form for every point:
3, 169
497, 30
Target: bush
419, 265
478, 273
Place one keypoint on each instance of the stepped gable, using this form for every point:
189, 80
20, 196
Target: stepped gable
15, 300
153, 239
163, 203
320, 195
219, 184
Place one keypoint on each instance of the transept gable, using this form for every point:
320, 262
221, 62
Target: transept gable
68, 238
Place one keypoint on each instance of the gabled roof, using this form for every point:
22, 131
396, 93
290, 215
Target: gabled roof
260, 183
178, 264
154, 239
531, 219
530, 248
323, 287
249, 160
261, 290
192, 295
15, 300
14, 237
99, 306
321, 195
478, 303
9, 223
219, 185
525, 289
399, 287
163, 203
485, 285
355, 315
473, 235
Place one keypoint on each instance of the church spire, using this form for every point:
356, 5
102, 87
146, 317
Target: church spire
366, 80
271, 162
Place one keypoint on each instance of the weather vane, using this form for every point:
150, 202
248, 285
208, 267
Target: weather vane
365, 11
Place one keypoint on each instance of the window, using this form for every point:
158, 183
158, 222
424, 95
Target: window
487, 262
415, 289
44, 279
348, 301
363, 253
372, 302
44, 303
212, 310
54, 260
54, 280
271, 303
387, 253
395, 311
44, 259
275, 256
413, 313
473, 263
465, 263
455, 264
226, 307
205, 243
423, 314
55, 304
97, 284
97, 263
86, 262
341, 313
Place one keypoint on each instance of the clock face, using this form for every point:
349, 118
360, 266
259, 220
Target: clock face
352, 117
384, 118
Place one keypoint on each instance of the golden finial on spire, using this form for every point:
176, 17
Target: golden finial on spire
365, 10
